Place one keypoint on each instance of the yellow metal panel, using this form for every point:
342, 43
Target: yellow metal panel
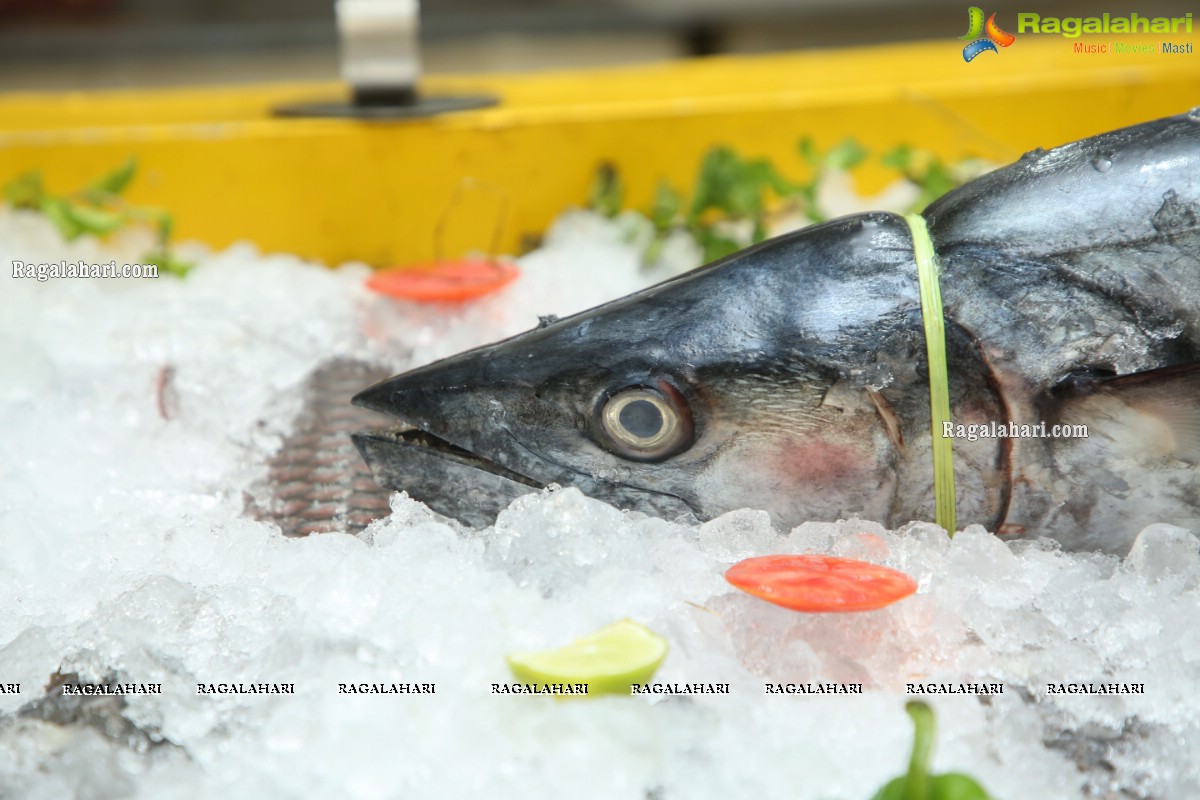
336, 190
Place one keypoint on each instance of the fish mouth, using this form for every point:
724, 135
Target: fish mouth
405, 435
472, 489
450, 479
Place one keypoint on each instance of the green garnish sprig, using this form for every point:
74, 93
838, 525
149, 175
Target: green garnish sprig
99, 210
732, 191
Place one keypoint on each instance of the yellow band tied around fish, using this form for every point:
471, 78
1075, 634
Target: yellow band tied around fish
939, 380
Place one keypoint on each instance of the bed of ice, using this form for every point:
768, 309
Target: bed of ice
125, 551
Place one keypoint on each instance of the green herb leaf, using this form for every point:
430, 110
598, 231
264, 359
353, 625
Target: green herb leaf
714, 182
731, 188
808, 151
781, 185
898, 158
654, 251
168, 262
95, 221
97, 210
934, 182
25, 190
716, 246
57, 210
734, 185
667, 203
931, 175
847, 154
161, 219
115, 182
607, 192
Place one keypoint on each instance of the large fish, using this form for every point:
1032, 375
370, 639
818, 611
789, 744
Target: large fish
792, 376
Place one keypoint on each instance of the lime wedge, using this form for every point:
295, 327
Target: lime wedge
609, 661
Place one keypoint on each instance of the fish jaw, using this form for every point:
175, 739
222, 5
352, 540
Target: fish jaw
449, 480
451, 449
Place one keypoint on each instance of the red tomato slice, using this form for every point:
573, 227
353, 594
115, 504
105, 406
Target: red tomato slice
820, 583
444, 281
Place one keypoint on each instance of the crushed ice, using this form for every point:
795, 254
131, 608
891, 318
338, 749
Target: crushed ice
125, 555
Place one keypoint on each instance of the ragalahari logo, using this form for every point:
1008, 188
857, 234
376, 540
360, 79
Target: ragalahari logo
992, 34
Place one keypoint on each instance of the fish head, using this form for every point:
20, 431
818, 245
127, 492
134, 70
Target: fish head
757, 381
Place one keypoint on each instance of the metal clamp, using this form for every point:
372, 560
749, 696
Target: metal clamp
381, 62
380, 59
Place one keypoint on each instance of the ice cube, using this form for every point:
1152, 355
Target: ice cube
1163, 550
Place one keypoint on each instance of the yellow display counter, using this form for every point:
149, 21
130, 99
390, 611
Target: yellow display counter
336, 190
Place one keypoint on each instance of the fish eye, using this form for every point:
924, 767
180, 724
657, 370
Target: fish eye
645, 423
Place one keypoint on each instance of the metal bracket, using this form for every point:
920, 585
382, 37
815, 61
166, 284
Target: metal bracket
381, 62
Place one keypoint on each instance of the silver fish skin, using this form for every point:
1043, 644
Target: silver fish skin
792, 376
